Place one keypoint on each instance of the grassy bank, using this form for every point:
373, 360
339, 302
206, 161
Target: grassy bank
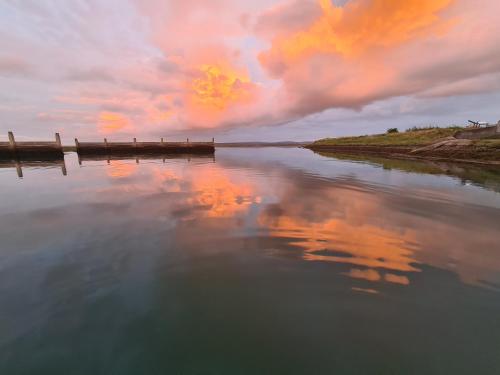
417, 137
412, 144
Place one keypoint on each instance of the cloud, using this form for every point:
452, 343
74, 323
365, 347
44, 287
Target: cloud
287, 17
170, 65
110, 122
14, 67
93, 74
203, 54
371, 50
66, 116
351, 31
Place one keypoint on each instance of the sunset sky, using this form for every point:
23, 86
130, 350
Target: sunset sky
245, 70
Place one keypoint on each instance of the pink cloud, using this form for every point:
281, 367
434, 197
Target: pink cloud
321, 56
194, 64
344, 59
193, 37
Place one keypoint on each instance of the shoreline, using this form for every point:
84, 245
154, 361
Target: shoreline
402, 153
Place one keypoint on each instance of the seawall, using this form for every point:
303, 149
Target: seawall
479, 133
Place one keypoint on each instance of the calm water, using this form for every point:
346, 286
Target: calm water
263, 261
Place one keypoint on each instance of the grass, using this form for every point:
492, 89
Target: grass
412, 137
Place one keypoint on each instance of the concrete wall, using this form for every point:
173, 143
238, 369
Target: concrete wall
487, 132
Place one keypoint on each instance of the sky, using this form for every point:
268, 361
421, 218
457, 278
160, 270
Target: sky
240, 70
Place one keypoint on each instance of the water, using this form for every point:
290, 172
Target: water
262, 261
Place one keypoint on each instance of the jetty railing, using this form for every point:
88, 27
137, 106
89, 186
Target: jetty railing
14, 150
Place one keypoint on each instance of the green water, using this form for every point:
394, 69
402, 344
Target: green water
262, 261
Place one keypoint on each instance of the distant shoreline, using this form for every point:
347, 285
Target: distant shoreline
262, 144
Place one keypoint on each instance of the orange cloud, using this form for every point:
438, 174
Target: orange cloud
120, 169
363, 24
358, 26
217, 91
321, 55
381, 237
368, 50
368, 246
368, 274
218, 87
223, 197
396, 279
110, 122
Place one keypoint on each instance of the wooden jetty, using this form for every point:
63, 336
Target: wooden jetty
144, 148
13, 150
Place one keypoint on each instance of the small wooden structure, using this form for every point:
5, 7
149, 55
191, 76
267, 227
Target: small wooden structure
144, 148
13, 150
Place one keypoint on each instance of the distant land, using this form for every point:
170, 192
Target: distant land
262, 144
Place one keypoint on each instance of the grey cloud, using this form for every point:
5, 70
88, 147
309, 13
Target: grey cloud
13, 66
167, 66
287, 17
95, 74
458, 68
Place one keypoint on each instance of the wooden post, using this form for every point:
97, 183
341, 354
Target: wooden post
213, 140
162, 141
19, 170
58, 141
187, 140
12, 141
63, 168
135, 142
77, 144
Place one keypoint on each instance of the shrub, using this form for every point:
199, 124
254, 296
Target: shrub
392, 130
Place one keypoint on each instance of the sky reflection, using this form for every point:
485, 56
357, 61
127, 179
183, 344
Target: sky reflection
381, 233
269, 251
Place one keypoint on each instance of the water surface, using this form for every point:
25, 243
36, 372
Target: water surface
260, 261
